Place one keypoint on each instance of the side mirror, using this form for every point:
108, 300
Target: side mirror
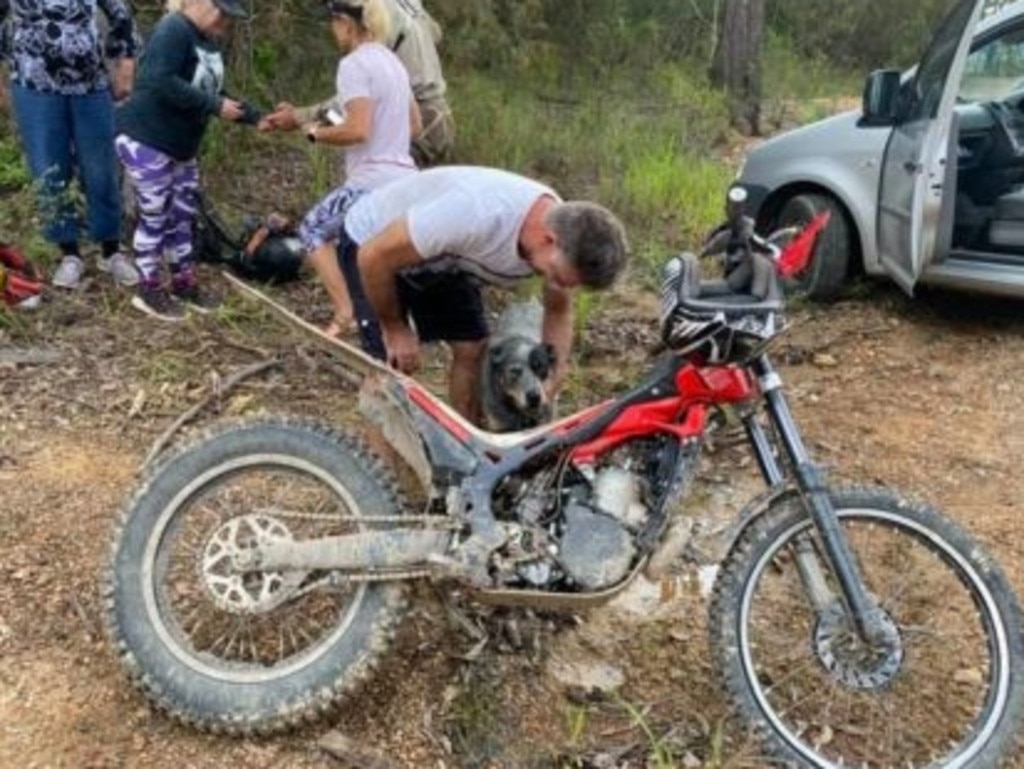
881, 98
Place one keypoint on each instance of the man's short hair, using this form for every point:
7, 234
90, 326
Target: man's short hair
592, 239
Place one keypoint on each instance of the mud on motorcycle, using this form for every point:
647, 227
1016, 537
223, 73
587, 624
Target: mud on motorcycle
259, 572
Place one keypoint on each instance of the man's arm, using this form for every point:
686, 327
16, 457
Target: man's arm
557, 331
380, 259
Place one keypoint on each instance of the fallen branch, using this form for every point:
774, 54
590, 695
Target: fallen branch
33, 356
217, 391
353, 358
351, 753
259, 352
851, 335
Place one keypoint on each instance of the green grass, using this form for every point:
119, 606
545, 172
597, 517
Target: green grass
13, 172
649, 153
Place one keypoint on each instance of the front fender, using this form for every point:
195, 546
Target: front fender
755, 508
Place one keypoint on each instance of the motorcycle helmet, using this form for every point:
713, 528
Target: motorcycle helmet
685, 328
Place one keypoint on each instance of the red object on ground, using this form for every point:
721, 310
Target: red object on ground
20, 280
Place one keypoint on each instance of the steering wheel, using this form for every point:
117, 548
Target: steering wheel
1002, 113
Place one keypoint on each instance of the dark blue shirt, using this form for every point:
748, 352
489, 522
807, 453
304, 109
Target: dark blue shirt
177, 89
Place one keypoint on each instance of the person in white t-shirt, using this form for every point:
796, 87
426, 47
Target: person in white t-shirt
373, 117
414, 253
413, 35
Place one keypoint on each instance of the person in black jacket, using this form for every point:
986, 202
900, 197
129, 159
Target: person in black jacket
178, 90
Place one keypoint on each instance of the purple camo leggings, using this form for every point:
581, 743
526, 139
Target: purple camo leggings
165, 194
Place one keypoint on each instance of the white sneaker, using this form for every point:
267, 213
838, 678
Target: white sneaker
69, 273
159, 303
120, 268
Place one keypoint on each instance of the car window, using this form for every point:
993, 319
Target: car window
930, 80
995, 69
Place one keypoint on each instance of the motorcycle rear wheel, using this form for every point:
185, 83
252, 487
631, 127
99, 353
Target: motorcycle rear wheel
260, 652
947, 694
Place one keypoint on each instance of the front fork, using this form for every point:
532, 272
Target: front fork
868, 618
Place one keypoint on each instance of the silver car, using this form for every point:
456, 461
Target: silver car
926, 180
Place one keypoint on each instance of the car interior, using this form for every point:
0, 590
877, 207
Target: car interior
989, 210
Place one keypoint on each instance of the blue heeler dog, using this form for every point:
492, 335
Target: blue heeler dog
516, 367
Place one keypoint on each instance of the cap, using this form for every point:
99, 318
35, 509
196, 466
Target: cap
336, 8
232, 8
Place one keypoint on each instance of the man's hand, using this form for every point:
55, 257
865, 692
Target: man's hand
380, 260
403, 348
556, 330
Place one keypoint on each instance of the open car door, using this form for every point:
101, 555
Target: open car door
919, 164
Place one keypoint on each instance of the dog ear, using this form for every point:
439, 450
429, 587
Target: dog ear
542, 360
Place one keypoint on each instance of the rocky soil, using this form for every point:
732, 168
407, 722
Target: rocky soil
919, 394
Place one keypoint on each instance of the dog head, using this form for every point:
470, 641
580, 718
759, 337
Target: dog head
517, 371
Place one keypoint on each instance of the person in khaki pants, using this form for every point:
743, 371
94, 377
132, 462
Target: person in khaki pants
414, 38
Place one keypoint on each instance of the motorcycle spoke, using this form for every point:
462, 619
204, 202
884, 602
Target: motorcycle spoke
830, 700
239, 616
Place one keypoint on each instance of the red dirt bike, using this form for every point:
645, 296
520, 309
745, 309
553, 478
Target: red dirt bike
257, 573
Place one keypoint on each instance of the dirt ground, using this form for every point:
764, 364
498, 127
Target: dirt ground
918, 394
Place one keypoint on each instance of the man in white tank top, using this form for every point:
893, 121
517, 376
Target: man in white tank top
415, 251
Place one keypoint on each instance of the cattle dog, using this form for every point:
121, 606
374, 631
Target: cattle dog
515, 370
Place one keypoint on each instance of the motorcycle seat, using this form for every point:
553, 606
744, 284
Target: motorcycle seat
716, 296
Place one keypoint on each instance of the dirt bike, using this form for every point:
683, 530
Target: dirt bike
258, 572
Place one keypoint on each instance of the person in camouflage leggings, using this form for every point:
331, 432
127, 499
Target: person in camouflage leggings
159, 131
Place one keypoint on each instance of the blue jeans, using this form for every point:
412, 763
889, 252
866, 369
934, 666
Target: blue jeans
59, 133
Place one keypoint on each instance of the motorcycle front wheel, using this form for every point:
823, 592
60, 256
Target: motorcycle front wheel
256, 652
944, 690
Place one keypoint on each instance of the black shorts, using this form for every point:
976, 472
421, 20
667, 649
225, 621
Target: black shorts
445, 306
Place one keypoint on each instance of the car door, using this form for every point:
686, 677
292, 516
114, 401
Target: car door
915, 171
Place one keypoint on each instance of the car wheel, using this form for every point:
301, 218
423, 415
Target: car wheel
825, 275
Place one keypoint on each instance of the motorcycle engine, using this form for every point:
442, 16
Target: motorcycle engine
575, 529
597, 541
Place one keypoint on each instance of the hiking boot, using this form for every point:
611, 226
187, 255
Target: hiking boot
69, 273
120, 268
200, 300
158, 303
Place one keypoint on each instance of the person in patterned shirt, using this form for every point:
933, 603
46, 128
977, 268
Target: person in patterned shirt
63, 99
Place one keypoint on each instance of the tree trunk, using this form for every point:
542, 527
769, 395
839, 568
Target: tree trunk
736, 65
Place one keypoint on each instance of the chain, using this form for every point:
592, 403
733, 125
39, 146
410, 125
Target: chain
365, 577
337, 579
428, 521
